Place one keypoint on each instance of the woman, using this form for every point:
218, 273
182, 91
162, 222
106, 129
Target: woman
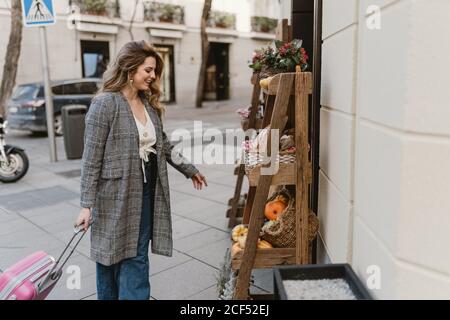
124, 183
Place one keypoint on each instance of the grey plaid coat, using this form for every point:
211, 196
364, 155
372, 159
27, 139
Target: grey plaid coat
112, 180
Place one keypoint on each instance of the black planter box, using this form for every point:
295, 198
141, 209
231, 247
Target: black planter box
317, 272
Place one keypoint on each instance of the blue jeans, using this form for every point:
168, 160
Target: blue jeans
129, 279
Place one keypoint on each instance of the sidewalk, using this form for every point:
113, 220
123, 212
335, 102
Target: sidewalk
38, 212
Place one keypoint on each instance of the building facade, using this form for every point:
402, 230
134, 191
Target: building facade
89, 33
385, 144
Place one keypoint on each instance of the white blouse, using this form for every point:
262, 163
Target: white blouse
147, 138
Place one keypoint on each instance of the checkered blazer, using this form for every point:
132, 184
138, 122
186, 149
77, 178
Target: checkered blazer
112, 180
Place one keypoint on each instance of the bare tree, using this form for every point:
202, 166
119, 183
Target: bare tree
133, 16
12, 55
205, 52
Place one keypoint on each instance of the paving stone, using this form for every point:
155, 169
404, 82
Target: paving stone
214, 210
212, 254
62, 292
182, 281
159, 263
207, 294
193, 205
263, 278
185, 227
200, 240
219, 221
7, 216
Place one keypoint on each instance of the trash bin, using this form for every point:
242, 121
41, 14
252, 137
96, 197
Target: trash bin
73, 127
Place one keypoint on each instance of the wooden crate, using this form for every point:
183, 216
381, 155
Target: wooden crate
266, 258
284, 176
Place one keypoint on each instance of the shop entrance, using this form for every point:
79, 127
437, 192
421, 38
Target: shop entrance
217, 81
168, 76
94, 58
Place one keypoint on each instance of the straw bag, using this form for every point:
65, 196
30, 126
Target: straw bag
281, 233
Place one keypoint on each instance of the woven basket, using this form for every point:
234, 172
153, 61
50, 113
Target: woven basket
269, 72
282, 234
254, 159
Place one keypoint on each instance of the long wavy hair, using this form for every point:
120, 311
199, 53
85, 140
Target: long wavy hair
118, 74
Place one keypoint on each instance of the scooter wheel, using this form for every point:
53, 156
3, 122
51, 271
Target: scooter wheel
17, 168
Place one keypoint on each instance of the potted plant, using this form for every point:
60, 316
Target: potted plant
318, 282
167, 13
163, 12
279, 57
219, 19
95, 7
264, 24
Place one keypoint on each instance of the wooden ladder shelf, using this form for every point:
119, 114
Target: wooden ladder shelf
287, 92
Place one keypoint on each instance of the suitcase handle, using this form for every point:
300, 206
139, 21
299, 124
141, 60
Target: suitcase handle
55, 275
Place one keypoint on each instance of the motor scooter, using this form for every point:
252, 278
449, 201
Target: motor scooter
14, 162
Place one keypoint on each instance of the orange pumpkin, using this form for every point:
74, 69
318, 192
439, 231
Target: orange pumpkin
273, 209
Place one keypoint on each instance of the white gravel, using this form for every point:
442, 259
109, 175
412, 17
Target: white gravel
325, 289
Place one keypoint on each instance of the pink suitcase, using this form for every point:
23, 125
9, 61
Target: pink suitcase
34, 277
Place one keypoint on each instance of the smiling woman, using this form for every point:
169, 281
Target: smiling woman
124, 178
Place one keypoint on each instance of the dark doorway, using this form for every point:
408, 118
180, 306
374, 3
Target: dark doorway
168, 76
94, 57
217, 80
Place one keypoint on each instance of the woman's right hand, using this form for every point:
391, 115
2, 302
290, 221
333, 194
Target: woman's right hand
84, 218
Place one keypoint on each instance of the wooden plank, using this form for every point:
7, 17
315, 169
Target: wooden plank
249, 204
303, 176
284, 176
255, 103
266, 258
236, 197
284, 31
268, 110
254, 78
274, 83
239, 213
257, 214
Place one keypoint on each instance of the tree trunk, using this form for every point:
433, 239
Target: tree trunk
12, 55
133, 16
205, 52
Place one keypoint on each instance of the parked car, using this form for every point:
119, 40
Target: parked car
26, 108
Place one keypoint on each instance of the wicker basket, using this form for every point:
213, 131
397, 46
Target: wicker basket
254, 159
269, 72
282, 234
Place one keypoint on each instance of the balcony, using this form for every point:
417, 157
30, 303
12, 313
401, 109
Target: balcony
263, 28
221, 20
264, 24
103, 8
96, 16
163, 13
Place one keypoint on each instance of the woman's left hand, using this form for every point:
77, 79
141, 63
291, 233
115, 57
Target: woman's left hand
198, 179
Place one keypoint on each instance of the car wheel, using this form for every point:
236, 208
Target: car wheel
58, 125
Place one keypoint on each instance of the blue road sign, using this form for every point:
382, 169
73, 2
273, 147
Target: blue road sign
38, 12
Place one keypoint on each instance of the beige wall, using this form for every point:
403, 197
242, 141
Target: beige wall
385, 144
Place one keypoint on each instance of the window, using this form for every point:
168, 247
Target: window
89, 87
25, 92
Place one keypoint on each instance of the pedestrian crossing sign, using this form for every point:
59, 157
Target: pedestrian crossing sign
38, 12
